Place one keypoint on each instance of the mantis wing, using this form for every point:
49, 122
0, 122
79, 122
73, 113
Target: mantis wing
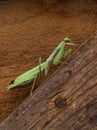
26, 77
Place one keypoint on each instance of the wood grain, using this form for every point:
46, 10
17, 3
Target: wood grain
66, 100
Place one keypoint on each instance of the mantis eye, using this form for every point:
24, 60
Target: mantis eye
66, 39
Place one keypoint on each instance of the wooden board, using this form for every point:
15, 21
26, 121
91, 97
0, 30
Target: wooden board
66, 100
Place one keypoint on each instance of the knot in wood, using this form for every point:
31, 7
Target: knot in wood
60, 102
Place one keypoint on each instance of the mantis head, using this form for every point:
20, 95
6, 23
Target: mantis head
66, 39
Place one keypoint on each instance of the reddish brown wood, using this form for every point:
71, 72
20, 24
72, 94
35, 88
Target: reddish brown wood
66, 100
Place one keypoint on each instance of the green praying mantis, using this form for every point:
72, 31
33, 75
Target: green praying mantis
31, 75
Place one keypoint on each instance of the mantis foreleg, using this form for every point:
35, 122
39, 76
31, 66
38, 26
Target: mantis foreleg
59, 55
67, 53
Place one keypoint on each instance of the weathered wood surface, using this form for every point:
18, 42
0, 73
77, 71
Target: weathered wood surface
67, 100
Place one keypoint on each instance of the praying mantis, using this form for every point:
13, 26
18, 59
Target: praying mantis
31, 75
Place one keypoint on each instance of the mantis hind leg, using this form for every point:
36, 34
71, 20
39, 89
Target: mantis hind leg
48, 64
33, 85
38, 74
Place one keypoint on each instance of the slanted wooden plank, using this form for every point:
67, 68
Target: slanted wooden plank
66, 100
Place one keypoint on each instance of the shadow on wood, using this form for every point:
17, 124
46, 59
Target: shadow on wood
67, 100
